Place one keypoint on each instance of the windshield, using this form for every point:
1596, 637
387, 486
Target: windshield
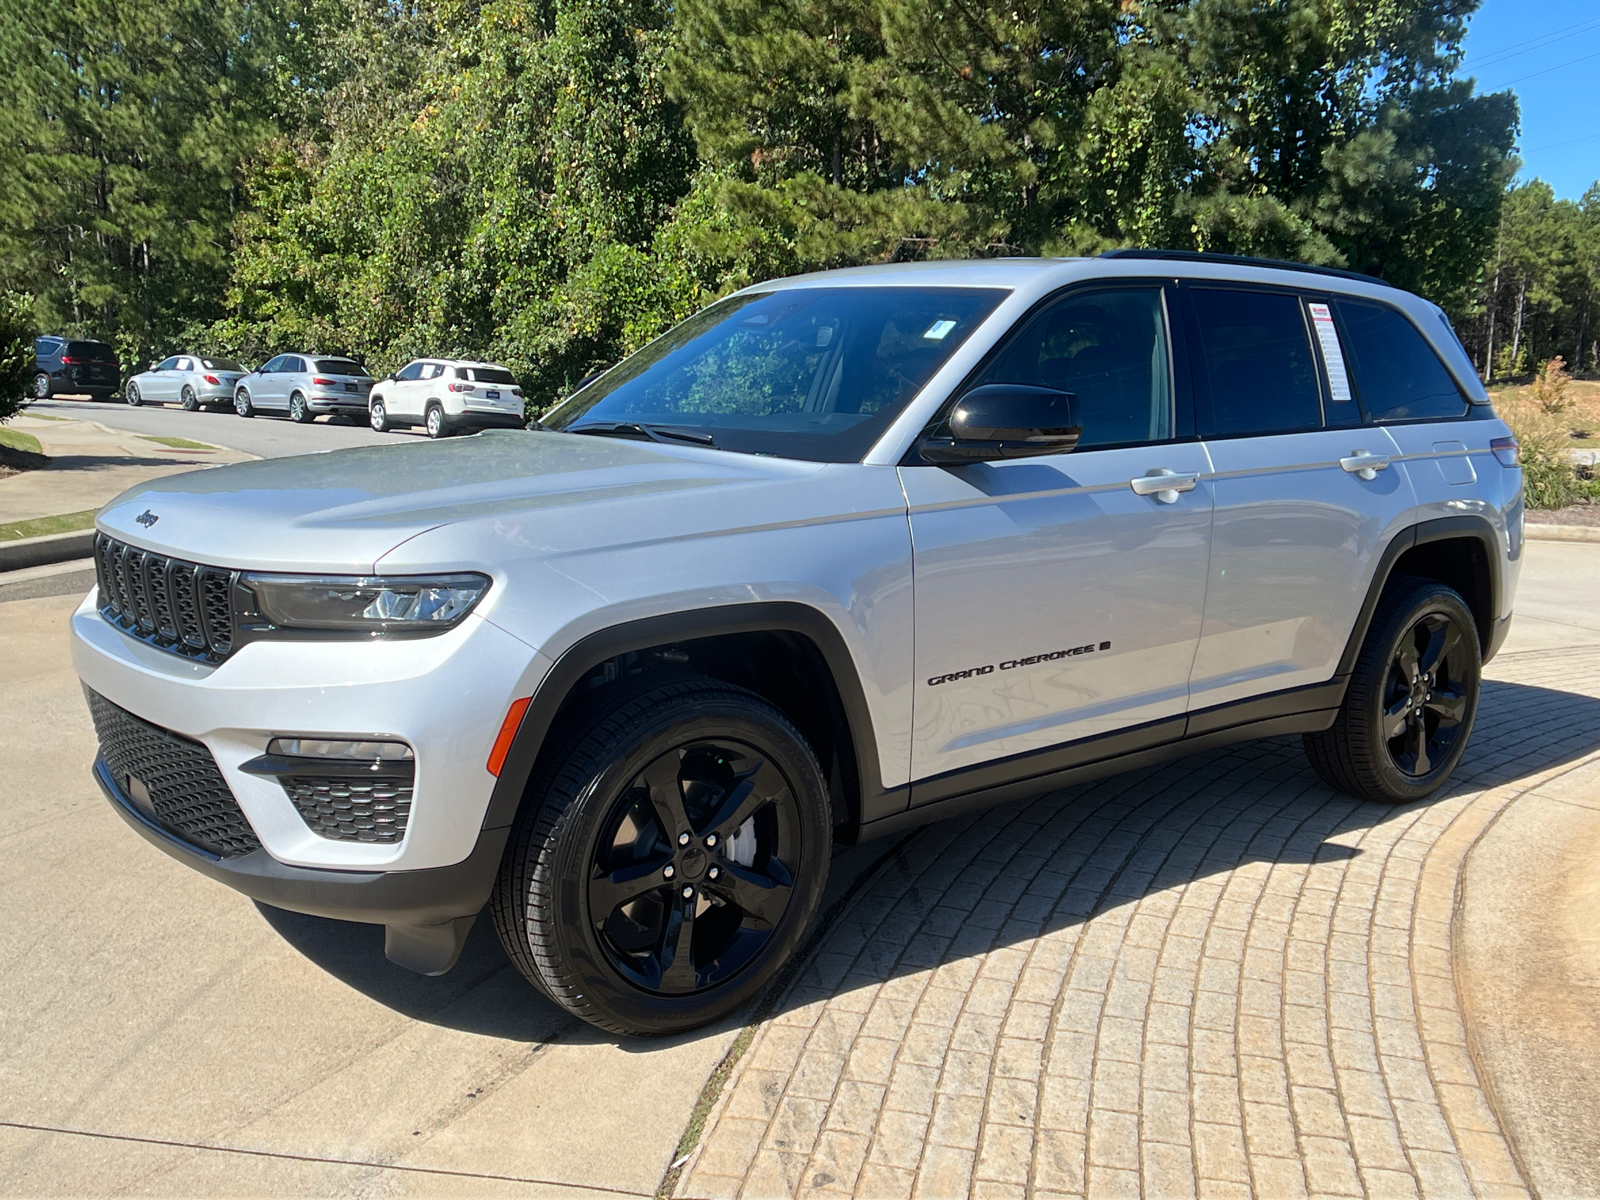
810, 373
220, 364
341, 366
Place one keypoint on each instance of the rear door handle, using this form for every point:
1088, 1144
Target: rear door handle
1364, 465
1163, 484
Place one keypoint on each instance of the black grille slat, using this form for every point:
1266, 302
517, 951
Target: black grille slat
187, 793
352, 810
179, 606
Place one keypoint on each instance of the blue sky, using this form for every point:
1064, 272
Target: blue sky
1548, 53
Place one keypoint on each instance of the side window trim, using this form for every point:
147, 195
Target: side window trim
1180, 392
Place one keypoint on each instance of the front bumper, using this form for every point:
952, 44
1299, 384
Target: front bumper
426, 913
445, 696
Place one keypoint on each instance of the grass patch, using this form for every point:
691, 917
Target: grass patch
40, 526
15, 439
177, 443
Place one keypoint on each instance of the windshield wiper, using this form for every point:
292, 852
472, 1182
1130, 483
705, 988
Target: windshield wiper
651, 433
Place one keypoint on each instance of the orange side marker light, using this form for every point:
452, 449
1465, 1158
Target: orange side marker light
508, 731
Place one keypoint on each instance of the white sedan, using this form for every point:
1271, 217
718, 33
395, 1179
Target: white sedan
188, 379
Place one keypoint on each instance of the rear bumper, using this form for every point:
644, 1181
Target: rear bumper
340, 403
427, 913
475, 419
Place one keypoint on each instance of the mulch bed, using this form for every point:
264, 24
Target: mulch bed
13, 462
1575, 514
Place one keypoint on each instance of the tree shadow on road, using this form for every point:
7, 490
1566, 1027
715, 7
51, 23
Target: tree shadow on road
1002, 877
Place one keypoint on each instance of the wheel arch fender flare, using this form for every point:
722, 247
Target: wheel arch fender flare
1423, 534
590, 652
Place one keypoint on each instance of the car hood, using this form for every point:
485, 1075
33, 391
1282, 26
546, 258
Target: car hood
342, 510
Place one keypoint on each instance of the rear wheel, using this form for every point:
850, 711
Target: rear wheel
669, 859
435, 422
242, 404
299, 411
191, 402
378, 416
132, 396
1412, 699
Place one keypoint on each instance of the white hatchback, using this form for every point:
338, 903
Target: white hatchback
447, 396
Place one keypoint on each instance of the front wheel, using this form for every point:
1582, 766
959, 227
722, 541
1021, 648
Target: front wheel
669, 859
41, 386
299, 411
131, 395
1411, 702
378, 416
191, 402
242, 404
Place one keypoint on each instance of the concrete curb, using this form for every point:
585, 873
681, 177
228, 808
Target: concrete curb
1561, 533
41, 551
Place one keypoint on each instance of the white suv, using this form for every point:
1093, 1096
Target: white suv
446, 395
841, 555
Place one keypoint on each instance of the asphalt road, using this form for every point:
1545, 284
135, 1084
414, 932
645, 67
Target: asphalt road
269, 437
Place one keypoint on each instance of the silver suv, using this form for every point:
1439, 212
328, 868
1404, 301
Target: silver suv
303, 385
839, 556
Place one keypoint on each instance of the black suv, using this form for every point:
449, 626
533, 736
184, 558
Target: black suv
75, 368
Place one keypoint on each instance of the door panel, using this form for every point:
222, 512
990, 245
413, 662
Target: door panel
1052, 601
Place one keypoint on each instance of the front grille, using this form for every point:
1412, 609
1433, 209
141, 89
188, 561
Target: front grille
187, 795
179, 606
352, 810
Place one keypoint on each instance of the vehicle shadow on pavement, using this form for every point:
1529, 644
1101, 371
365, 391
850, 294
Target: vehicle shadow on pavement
972, 884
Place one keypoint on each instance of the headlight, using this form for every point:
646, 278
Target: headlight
354, 604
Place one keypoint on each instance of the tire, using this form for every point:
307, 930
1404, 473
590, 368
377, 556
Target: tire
41, 385
242, 405
1413, 696
378, 416
299, 411
434, 422
131, 395
594, 835
191, 402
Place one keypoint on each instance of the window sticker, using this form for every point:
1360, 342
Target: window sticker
1332, 352
939, 330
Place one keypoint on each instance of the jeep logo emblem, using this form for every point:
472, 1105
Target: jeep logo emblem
147, 518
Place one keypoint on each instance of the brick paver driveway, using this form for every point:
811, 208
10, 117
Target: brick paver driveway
1217, 977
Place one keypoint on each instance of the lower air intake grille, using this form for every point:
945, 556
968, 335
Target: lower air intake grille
173, 780
352, 810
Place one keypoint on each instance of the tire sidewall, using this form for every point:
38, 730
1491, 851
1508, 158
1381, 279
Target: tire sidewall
1418, 603
563, 873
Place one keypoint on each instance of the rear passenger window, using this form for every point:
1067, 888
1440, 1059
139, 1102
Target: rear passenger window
1255, 372
1397, 374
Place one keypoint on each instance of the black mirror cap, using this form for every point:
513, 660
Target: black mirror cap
1007, 420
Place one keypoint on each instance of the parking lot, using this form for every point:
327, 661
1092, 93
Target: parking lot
1212, 977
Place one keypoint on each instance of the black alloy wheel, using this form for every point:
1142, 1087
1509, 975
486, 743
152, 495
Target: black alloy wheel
191, 402
1411, 701
41, 386
669, 858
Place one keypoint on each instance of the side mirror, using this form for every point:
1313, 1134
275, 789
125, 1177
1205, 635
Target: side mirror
1007, 420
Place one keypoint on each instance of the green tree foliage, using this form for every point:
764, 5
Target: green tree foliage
121, 127
17, 332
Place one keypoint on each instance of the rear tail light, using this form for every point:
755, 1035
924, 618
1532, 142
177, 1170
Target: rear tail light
213, 380
461, 387
322, 382
68, 360
1506, 450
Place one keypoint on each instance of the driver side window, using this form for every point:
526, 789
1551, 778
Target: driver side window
409, 372
272, 364
167, 365
1109, 349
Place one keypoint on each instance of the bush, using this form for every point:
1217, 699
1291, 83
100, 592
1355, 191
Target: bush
1550, 479
16, 352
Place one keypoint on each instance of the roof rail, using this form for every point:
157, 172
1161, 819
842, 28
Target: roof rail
1240, 260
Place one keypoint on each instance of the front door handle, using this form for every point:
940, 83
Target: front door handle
1364, 465
1163, 484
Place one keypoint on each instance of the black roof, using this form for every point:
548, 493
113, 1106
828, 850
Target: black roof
1240, 260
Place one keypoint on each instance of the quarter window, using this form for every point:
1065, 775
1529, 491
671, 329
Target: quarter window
1397, 374
1109, 349
1254, 372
